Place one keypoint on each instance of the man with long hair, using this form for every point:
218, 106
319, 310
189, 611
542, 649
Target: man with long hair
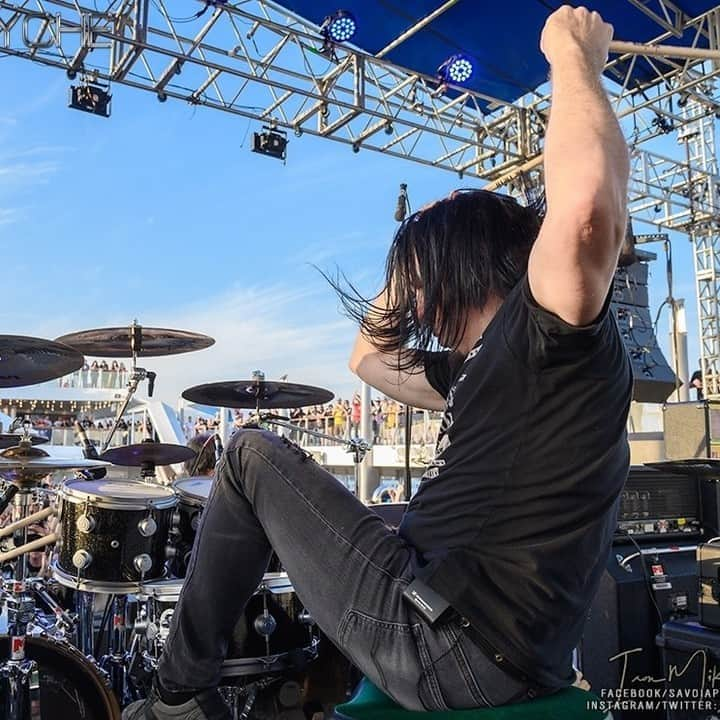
504, 324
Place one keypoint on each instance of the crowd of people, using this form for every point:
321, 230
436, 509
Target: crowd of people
341, 420
138, 428
98, 374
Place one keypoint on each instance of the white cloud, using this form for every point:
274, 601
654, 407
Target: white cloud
31, 165
9, 215
282, 331
258, 329
28, 171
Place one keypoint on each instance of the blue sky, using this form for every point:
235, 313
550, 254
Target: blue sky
162, 213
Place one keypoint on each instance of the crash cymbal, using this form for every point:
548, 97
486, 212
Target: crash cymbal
148, 453
28, 360
12, 439
264, 394
118, 342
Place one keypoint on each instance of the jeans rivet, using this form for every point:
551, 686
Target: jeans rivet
499, 658
464, 622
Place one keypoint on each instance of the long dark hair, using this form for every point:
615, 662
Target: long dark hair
459, 252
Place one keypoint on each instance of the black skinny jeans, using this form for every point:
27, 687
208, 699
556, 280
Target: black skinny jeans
347, 568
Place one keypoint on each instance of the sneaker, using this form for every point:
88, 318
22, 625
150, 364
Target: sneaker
207, 705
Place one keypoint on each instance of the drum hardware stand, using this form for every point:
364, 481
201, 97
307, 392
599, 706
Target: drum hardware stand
64, 622
137, 375
116, 662
233, 695
357, 447
20, 672
85, 622
147, 472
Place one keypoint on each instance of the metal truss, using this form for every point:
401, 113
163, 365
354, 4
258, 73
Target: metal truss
700, 144
257, 60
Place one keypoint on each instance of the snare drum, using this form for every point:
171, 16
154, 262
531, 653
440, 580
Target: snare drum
113, 534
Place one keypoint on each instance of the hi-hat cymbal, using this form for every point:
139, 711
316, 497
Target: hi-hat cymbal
28, 467
118, 342
267, 395
28, 360
8, 440
148, 453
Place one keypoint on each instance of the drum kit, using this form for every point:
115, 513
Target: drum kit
126, 545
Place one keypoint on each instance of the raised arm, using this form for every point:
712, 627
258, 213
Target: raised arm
381, 372
586, 173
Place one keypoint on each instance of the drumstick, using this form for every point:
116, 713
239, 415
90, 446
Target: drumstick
28, 547
621, 47
29, 520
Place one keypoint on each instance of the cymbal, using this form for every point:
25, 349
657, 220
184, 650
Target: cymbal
28, 360
252, 393
25, 463
149, 342
148, 453
12, 439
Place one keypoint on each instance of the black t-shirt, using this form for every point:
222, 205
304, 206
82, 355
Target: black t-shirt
514, 517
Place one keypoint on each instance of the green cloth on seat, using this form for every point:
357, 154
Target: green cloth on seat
369, 703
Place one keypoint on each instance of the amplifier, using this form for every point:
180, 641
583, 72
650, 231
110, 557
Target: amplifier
639, 591
659, 505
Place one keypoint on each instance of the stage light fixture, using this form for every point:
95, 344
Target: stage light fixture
339, 27
93, 99
457, 69
271, 142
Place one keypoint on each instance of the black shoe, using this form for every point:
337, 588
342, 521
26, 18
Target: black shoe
207, 705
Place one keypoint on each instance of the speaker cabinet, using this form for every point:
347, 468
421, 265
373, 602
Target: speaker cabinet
692, 429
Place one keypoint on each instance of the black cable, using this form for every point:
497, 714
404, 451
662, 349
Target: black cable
407, 484
645, 575
197, 15
657, 316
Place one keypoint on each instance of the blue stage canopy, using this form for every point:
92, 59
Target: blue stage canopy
501, 37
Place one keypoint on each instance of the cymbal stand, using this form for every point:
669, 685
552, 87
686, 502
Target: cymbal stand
19, 672
356, 446
137, 375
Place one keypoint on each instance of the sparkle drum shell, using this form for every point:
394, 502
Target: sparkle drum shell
192, 494
113, 534
274, 633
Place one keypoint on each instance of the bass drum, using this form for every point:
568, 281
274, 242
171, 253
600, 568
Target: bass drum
70, 685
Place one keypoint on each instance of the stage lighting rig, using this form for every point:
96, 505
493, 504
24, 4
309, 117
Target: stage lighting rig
93, 99
340, 27
271, 142
457, 69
